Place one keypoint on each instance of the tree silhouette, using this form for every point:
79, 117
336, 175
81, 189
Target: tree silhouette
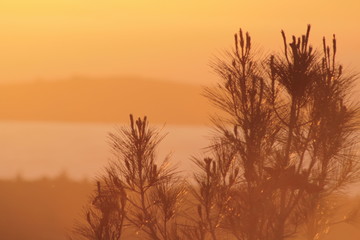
285, 145
216, 179
293, 127
142, 195
105, 214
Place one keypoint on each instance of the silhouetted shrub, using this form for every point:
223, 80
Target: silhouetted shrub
285, 147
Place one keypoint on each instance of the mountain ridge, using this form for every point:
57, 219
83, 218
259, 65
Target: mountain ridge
104, 100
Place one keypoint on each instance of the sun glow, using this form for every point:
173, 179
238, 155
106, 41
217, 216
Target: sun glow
170, 40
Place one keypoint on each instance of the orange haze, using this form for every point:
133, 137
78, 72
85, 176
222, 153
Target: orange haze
104, 100
161, 39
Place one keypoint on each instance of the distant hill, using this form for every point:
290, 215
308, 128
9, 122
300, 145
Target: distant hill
104, 100
47, 209
43, 209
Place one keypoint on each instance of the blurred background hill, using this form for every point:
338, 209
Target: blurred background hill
104, 100
42, 209
48, 208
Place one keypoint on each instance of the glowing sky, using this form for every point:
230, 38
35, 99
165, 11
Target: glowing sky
161, 39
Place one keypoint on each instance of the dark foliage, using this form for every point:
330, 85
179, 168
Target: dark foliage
284, 148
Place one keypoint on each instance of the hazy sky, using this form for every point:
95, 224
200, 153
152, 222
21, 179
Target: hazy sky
161, 39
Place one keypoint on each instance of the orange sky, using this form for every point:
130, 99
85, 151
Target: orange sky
162, 39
